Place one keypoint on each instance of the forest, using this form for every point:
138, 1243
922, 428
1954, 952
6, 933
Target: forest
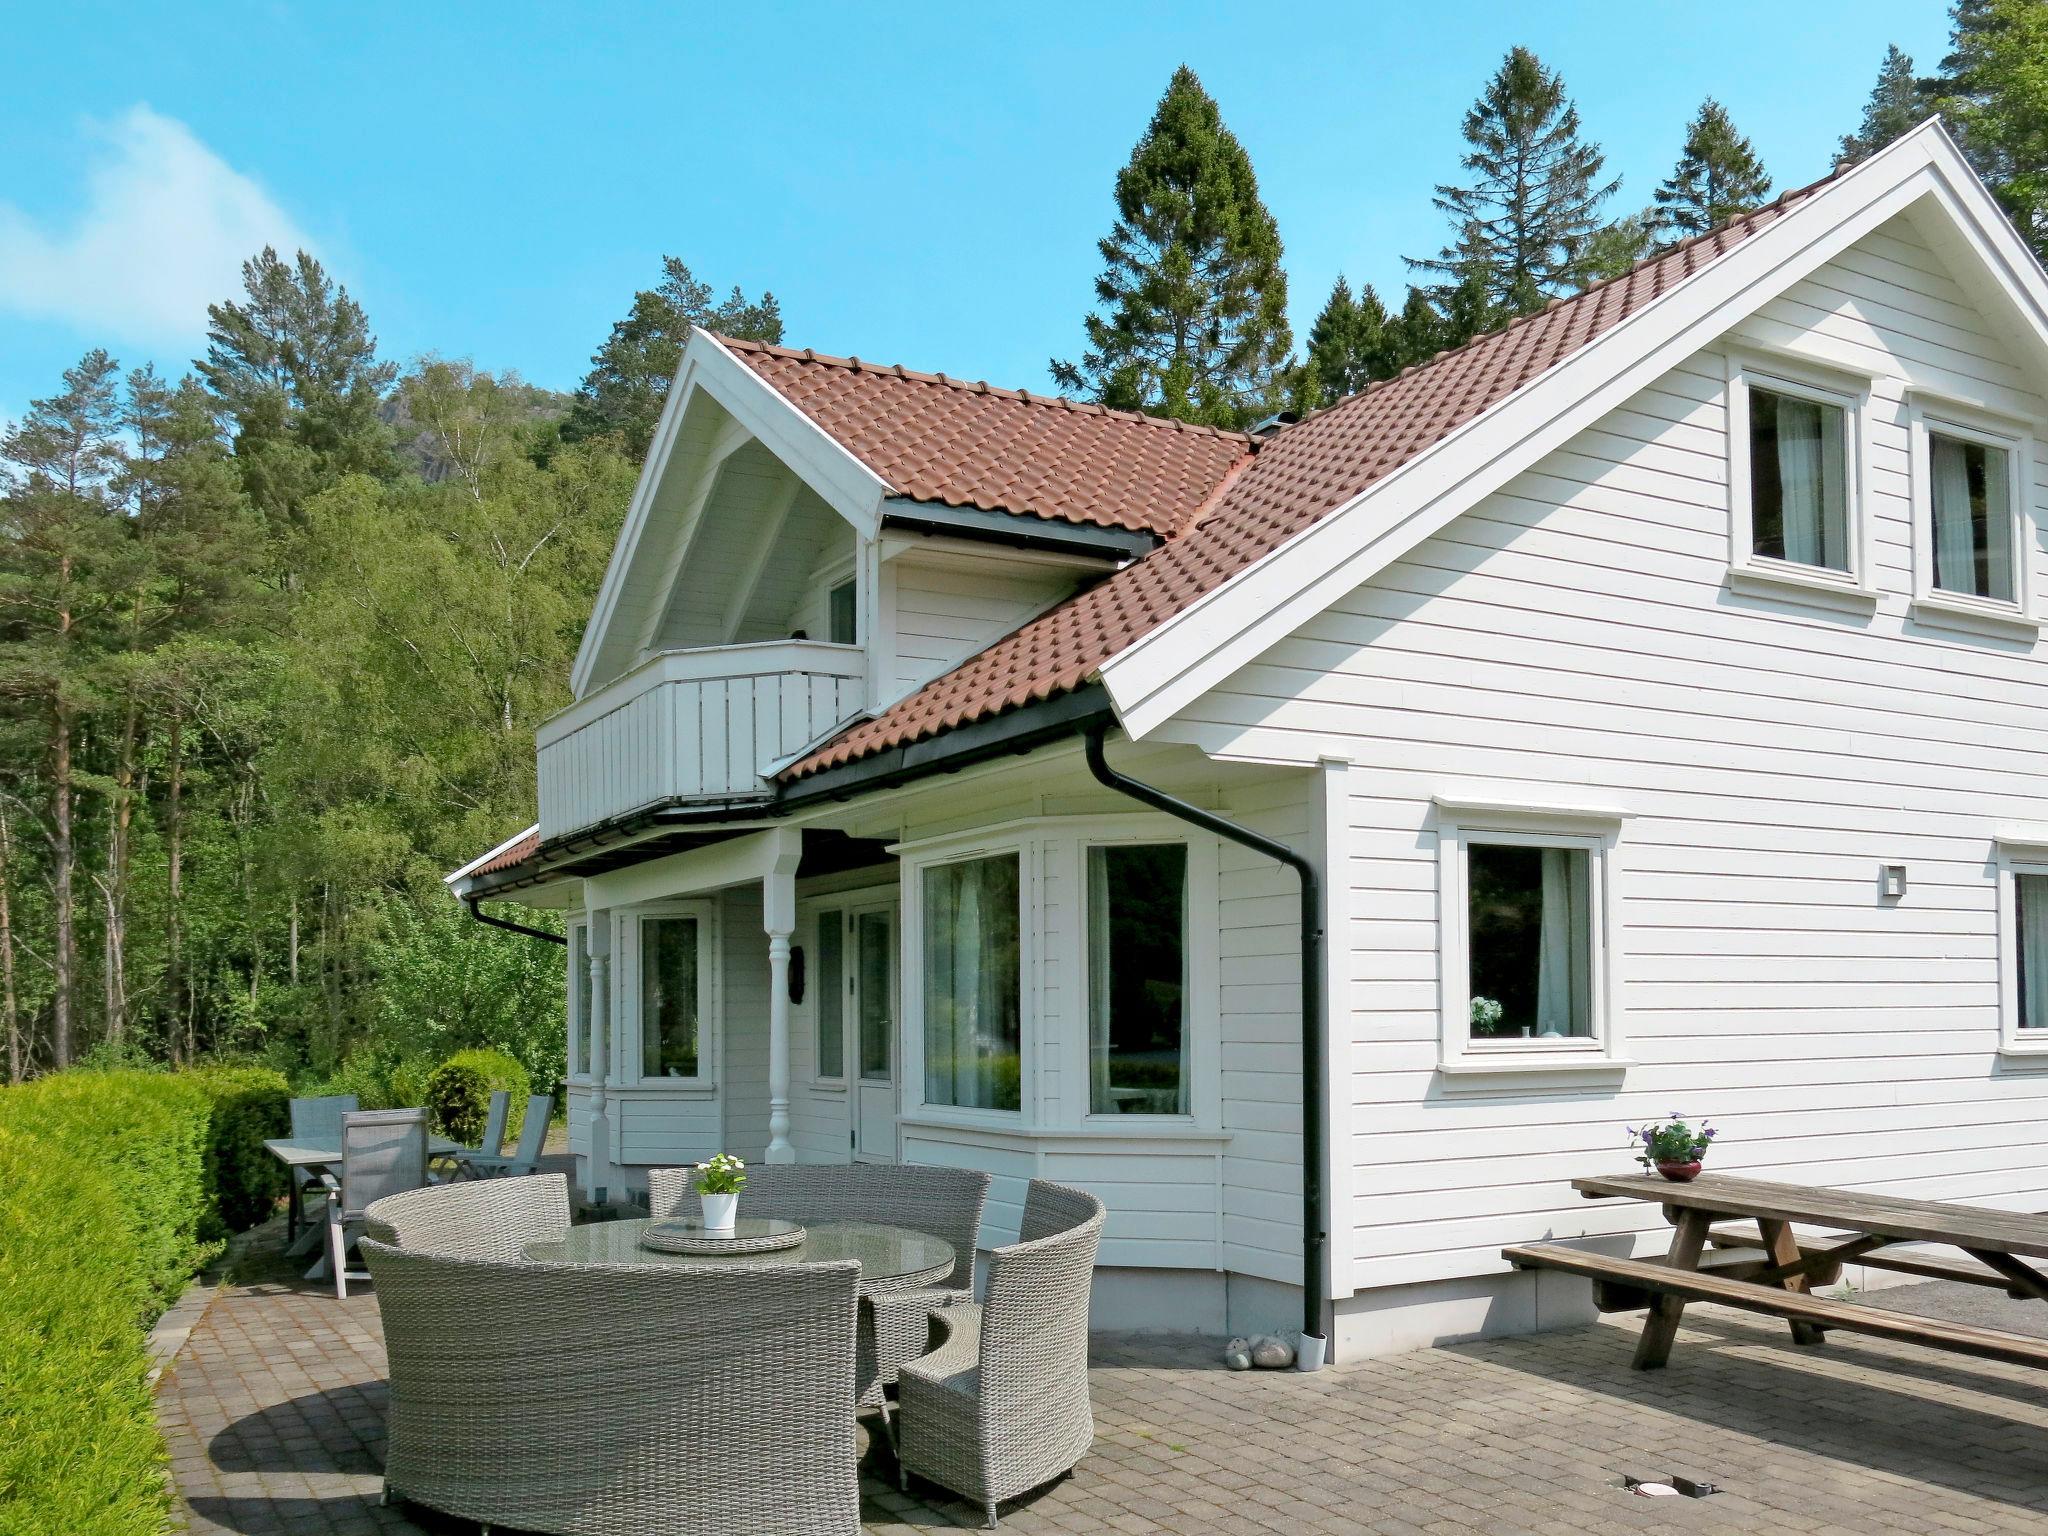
275, 635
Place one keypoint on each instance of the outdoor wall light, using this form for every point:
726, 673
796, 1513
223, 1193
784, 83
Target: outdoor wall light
1891, 882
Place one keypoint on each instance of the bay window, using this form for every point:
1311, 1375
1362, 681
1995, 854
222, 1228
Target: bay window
672, 987
1137, 979
972, 983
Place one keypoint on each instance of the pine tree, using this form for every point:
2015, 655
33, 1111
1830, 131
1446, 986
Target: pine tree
1533, 205
630, 374
1192, 322
1349, 345
1618, 246
1718, 176
295, 374
1993, 89
1898, 104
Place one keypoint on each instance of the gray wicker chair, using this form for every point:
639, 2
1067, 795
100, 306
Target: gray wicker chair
525, 1158
1001, 1404
495, 1219
383, 1152
614, 1400
945, 1202
318, 1121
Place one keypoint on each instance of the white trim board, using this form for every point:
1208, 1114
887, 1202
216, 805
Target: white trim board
1197, 649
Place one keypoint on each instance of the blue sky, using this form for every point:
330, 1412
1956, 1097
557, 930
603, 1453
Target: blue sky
917, 184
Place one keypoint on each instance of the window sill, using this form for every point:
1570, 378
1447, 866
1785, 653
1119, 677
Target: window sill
1791, 584
827, 1085
695, 1086
1992, 623
1095, 1131
1532, 1071
2025, 1053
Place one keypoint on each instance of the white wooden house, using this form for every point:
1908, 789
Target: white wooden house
1666, 669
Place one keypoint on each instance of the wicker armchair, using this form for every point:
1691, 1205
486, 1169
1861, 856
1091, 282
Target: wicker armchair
1001, 1404
491, 1220
945, 1202
597, 1399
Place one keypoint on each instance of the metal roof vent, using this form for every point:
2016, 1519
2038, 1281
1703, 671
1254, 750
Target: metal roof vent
1272, 426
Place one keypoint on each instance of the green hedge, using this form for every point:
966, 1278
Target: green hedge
459, 1093
251, 1105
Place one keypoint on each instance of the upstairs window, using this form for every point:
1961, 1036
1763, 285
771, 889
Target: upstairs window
1970, 510
1799, 480
844, 618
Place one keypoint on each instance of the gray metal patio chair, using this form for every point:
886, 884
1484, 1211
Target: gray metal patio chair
494, 1219
945, 1202
1000, 1405
692, 1400
318, 1121
492, 1142
383, 1151
525, 1158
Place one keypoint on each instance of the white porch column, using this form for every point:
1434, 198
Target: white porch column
601, 1175
778, 917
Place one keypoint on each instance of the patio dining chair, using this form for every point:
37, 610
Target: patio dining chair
492, 1142
944, 1202
525, 1158
383, 1151
1000, 1406
318, 1121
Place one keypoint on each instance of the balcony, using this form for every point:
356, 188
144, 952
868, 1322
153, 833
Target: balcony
701, 724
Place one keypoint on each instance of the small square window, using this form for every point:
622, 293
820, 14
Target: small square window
1969, 486
1798, 480
1529, 941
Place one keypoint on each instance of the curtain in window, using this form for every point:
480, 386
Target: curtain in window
1955, 545
1997, 526
1564, 946
2030, 918
971, 992
1800, 477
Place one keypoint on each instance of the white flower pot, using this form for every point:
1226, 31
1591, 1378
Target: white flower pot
720, 1211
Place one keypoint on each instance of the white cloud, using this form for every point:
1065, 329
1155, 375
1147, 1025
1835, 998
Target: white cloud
165, 227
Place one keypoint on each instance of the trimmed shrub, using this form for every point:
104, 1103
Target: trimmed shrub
459, 1093
81, 1453
147, 1134
250, 1106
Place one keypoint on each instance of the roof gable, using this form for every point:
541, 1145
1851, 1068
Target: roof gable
1332, 499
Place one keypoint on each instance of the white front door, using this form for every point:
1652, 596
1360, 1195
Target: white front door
871, 952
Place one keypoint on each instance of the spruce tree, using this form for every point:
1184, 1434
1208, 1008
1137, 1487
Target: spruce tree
1897, 105
1618, 246
1192, 317
1533, 203
629, 376
1718, 176
1350, 344
1993, 89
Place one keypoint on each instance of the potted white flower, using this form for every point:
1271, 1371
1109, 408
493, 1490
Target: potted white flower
719, 1183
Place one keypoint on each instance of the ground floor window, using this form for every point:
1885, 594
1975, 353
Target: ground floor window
1530, 946
1137, 979
972, 983
831, 992
579, 999
2030, 923
671, 994
1525, 914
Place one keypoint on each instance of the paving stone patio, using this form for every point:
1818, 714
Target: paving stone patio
274, 1412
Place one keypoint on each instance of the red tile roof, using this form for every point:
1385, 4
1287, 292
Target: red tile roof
1257, 504
963, 444
513, 853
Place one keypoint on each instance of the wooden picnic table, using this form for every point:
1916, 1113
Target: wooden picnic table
1858, 1225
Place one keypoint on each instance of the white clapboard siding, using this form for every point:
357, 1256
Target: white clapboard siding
743, 1020
703, 723
1573, 640
945, 610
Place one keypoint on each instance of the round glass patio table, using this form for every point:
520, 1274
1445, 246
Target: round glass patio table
891, 1258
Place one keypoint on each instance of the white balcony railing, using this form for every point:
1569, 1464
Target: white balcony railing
699, 724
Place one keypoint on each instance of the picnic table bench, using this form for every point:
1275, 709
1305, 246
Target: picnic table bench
1779, 1282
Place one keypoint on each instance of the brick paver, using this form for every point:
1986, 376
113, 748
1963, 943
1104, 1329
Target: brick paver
274, 1412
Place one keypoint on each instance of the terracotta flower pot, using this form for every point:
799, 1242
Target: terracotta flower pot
1680, 1173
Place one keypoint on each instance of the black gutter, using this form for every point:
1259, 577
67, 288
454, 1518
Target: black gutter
484, 917
1314, 1217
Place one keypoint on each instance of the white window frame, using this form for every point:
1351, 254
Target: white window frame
1766, 575
2015, 854
710, 1023
914, 861
1462, 821
1201, 1025
579, 1068
833, 907
1928, 415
